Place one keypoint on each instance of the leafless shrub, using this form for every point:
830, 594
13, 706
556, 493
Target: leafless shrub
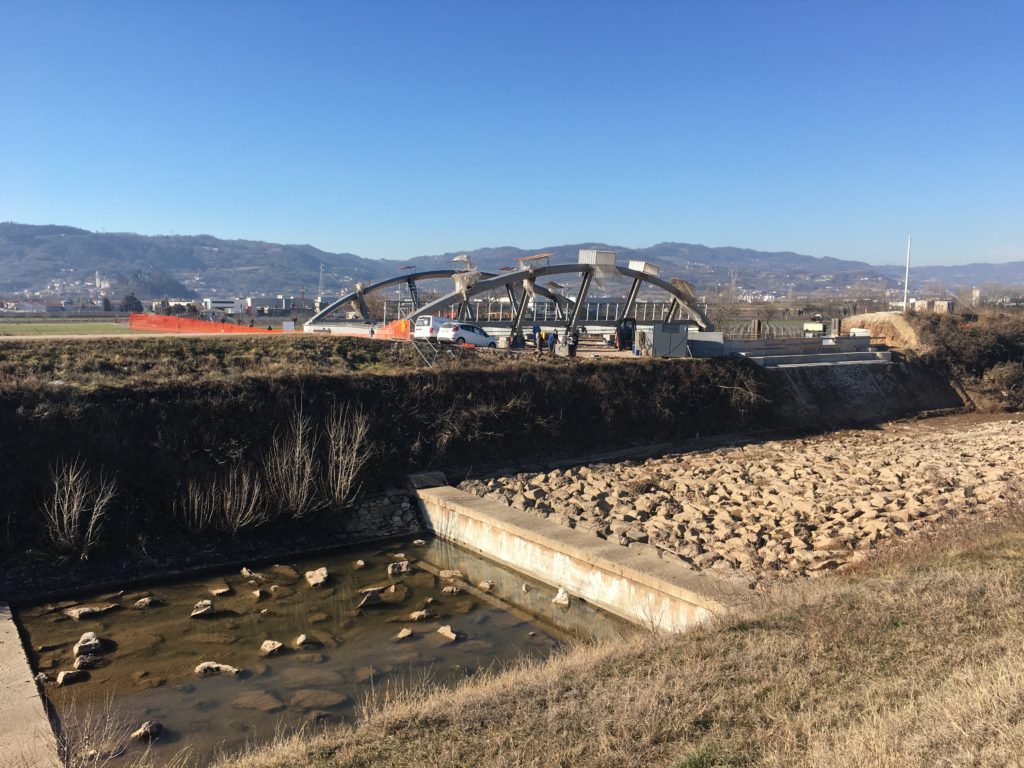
348, 451
290, 468
75, 511
230, 502
95, 734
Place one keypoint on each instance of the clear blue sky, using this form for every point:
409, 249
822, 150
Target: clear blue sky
395, 129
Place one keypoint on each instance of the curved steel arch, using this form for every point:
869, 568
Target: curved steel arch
509, 279
434, 274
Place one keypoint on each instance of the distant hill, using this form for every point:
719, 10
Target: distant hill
175, 265
31, 257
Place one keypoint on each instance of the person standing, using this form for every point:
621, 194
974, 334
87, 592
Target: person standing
553, 341
573, 341
536, 336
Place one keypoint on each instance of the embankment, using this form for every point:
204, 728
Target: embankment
154, 438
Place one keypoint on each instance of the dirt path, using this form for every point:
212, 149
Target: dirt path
783, 508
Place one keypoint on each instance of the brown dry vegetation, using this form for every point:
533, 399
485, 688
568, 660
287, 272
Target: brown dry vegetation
915, 660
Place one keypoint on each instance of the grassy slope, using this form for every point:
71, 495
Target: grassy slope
912, 661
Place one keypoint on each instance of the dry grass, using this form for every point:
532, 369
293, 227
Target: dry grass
914, 660
348, 451
229, 502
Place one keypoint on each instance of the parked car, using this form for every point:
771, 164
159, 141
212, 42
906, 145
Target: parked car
427, 327
465, 333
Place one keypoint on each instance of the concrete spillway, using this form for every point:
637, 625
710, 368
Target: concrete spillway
629, 582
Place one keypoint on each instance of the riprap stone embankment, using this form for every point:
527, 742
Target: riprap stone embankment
784, 507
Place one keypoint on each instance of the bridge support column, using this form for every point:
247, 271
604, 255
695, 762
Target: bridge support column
581, 298
634, 290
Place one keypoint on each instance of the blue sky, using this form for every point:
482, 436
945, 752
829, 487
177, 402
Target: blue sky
396, 129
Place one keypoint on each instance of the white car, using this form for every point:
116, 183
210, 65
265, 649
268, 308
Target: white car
427, 327
466, 333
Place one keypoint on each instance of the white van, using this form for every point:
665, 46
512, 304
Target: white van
427, 327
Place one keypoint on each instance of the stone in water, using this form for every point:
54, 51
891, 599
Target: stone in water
316, 578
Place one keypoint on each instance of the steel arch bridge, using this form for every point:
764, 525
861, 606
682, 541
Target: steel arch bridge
520, 285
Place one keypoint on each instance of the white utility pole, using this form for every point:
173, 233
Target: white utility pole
906, 279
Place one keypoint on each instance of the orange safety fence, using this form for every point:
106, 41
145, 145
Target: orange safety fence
396, 329
169, 324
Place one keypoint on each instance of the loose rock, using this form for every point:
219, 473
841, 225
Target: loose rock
88, 643
396, 569
80, 612
68, 677
270, 647
202, 608
208, 668
148, 731
316, 578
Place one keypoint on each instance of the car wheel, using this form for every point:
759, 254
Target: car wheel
492, 345
460, 340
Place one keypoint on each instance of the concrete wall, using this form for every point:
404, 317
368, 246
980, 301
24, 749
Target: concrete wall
628, 582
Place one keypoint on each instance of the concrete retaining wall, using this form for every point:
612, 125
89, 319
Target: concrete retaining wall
629, 582
26, 738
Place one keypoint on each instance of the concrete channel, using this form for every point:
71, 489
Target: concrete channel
26, 736
630, 583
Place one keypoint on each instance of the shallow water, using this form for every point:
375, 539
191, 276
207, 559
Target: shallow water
151, 654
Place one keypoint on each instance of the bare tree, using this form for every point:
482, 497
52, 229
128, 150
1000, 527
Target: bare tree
348, 451
75, 510
290, 468
230, 502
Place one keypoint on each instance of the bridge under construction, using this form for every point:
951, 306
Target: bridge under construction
518, 289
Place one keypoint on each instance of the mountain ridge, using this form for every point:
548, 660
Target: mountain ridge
32, 256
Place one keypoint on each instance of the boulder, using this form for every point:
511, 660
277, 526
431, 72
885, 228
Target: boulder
447, 633
562, 598
485, 586
421, 615
270, 647
209, 668
370, 598
148, 731
88, 643
89, 661
305, 641
144, 602
202, 608
316, 578
68, 677
452, 589
358, 565
396, 569
80, 612
403, 633
219, 589
418, 543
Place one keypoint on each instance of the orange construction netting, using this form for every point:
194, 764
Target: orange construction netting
170, 324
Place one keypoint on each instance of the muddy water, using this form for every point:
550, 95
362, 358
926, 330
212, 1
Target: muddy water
150, 654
